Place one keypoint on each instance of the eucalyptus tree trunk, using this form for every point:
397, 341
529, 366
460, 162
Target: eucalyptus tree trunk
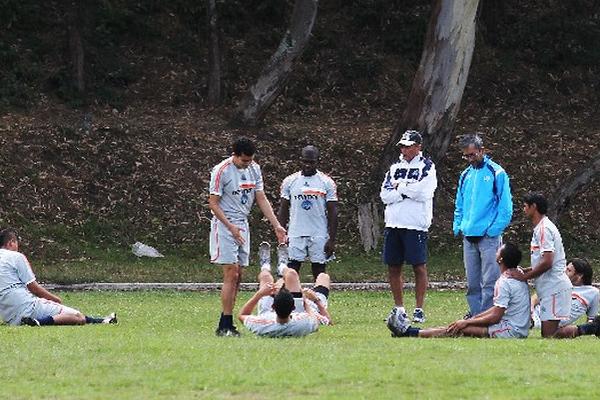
75, 27
436, 92
215, 96
276, 72
571, 186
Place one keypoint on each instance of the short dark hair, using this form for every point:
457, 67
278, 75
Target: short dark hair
6, 235
511, 255
283, 303
538, 199
583, 267
244, 146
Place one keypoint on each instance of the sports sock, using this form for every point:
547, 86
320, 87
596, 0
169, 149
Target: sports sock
587, 329
227, 321
46, 321
93, 320
412, 332
317, 269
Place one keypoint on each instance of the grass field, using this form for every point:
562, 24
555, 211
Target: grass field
164, 347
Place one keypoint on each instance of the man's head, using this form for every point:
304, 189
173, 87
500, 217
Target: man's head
509, 255
9, 239
534, 203
472, 148
410, 144
283, 303
309, 160
243, 150
579, 272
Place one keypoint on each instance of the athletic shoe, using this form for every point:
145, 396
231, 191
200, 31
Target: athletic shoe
418, 316
282, 258
30, 321
535, 318
397, 323
264, 255
231, 331
110, 319
596, 324
468, 315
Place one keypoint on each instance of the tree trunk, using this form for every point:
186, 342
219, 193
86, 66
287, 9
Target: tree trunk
214, 56
277, 71
75, 27
576, 182
438, 85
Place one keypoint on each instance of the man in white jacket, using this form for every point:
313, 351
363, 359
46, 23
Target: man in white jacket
407, 192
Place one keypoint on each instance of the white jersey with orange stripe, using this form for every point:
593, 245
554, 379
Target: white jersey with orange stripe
300, 324
308, 197
546, 238
15, 274
513, 296
236, 187
584, 301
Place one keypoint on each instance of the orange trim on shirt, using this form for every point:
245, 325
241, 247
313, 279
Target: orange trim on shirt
575, 296
220, 172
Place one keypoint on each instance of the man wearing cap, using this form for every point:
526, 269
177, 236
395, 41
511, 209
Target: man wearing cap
407, 192
482, 211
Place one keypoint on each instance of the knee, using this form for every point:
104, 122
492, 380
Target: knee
231, 275
290, 274
80, 319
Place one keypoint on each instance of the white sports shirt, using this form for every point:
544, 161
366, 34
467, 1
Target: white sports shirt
584, 300
15, 274
300, 324
308, 197
236, 187
513, 296
546, 237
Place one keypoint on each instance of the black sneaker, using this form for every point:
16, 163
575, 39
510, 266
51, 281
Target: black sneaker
468, 315
596, 323
230, 331
30, 321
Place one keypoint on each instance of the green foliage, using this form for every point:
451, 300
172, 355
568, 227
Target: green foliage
164, 347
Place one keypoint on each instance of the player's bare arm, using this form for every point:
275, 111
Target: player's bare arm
332, 222
39, 291
283, 214
267, 210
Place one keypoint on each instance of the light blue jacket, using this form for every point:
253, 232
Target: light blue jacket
483, 201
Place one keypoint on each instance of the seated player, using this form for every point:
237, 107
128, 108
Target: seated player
507, 318
23, 301
283, 308
584, 299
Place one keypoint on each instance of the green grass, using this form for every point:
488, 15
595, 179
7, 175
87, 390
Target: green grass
118, 265
164, 347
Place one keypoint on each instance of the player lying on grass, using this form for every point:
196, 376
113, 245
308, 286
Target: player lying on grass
23, 301
284, 309
584, 298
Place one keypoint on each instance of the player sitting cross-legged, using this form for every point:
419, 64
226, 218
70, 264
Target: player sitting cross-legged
23, 301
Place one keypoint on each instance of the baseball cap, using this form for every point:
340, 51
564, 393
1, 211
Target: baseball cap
409, 138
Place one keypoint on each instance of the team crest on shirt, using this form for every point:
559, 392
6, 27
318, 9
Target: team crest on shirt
306, 205
244, 198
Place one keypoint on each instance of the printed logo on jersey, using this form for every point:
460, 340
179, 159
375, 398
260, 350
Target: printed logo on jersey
244, 198
306, 205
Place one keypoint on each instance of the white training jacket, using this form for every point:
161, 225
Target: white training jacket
407, 192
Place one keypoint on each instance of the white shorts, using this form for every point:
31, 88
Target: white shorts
504, 330
303, 247
46, 308
223, 247
556, 306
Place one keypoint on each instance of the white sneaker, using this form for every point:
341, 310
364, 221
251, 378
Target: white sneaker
397, 322
264, 256
282, 258
418, 316
110, 319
